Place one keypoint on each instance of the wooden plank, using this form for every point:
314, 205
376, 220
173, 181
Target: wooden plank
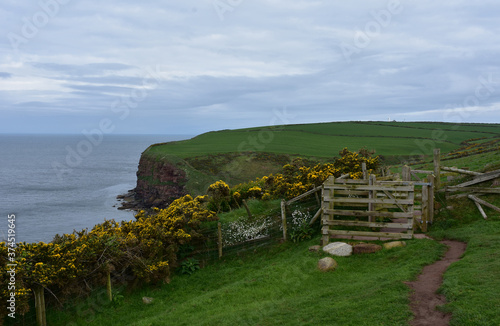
372, 234
370, 213
462, 171
473, 189
346, 200
372, 224
350, 181
483, 202
422, 171
414, 175
315, 217
481, 210
299, 197
388, 187
351, 193
392, 197
479, 179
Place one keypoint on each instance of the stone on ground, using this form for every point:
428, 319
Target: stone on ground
338, 249
314, 248
327, 264
366, 248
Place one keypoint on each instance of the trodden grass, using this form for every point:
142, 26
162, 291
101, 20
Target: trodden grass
276, 286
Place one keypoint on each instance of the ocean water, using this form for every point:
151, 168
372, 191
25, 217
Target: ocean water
60, 183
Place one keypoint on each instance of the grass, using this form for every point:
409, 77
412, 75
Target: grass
277, 286
472, 285
326, 139
237, 156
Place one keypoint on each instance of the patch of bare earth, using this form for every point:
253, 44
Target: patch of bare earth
424, 299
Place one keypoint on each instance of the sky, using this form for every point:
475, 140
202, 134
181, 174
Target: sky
191, 66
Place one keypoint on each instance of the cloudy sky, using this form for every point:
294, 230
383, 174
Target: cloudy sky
186, 67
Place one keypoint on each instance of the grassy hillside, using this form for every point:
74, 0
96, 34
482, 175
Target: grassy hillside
237, 156
277, 286
324, 140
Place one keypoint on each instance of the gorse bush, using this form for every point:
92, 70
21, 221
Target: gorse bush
298, 177
144, 250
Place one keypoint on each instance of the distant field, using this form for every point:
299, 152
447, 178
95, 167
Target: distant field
324, 140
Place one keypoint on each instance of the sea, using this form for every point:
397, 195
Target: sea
55, 184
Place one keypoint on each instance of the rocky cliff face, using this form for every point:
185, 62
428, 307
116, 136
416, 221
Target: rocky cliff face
158, 183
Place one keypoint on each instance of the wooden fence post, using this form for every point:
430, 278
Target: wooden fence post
406, 173
108, 285
324, 227
425, 206
40, 306
437, 168
283, 218
365, 171
372, 194
432, 181
219, 236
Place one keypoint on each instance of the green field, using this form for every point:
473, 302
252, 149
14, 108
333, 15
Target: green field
217, 155
277, 286
324, 140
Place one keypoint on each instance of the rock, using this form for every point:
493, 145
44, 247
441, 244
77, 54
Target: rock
314, 248
327, 264
394, 244
338, 249
366, 248
147, 300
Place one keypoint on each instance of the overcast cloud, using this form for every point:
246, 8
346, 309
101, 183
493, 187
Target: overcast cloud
186, 67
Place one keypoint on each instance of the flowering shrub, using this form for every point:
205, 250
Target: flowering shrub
219, 196
300, 176
145, 249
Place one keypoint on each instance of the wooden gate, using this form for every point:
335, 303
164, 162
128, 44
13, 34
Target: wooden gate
357, 207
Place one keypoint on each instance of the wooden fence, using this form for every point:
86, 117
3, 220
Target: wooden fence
356, 207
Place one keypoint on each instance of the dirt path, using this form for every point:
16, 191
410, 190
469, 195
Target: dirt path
425, 299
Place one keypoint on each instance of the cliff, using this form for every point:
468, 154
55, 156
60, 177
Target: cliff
159, 182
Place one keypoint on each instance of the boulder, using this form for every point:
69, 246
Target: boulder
327, 264
394, 244
338, 249
314, 248
366, 248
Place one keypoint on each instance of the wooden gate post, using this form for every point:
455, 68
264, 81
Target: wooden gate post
372, 194
432, 181
437, 168
219, 236
41, 320
406, 173
283, 218
108, 285
425, 206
